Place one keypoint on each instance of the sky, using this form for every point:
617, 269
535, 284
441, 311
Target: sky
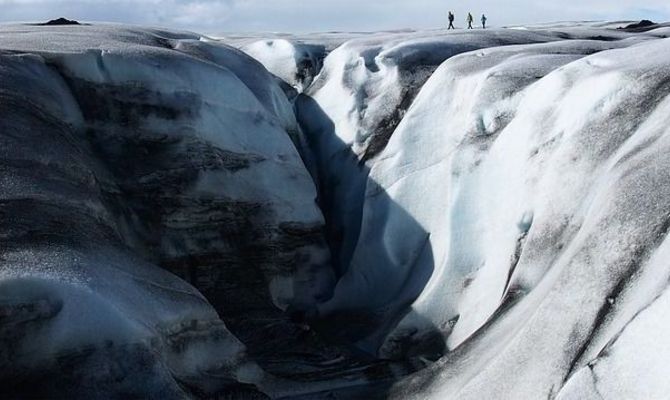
220, 16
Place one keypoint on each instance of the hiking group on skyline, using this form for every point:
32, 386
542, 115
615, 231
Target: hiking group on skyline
470, 19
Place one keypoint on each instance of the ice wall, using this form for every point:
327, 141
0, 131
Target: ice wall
125, 150
543, 200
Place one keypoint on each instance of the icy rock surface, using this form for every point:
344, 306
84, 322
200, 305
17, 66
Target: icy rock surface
507, 209
125, 150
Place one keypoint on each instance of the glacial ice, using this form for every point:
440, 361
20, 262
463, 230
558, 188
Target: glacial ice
564, 203
294, 63
410, 214
508, 207
126, 149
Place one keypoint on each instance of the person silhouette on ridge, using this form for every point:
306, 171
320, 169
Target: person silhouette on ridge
484, 21
451, 21
470, 20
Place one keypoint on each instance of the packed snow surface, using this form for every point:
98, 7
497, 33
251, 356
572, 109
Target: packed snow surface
484, 211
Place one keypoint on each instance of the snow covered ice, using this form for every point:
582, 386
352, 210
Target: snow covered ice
410, 214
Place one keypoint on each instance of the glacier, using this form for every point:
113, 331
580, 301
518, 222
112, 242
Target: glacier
405, 214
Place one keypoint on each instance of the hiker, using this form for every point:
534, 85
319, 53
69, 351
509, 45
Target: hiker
451, 21
484, 21
470, 20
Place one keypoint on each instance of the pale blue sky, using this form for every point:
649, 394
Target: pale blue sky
215, 16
